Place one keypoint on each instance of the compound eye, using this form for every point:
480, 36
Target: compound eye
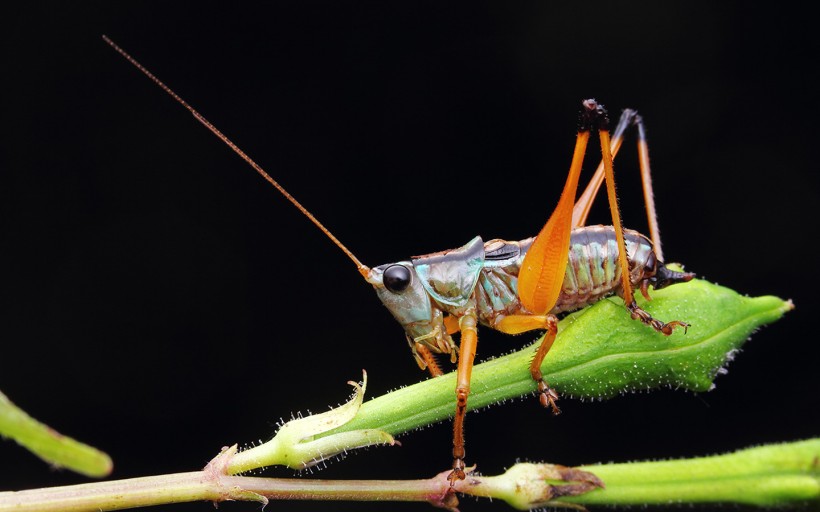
396, 278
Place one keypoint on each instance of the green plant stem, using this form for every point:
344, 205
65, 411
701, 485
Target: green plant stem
48, 444
199, 486
768, 476
772, 475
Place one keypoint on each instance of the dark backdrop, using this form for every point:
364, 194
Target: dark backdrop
160, 300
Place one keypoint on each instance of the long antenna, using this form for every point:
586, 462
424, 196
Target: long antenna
363, 269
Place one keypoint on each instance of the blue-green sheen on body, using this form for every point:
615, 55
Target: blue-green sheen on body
592, 272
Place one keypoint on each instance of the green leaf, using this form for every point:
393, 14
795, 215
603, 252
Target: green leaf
50, 445
600, 352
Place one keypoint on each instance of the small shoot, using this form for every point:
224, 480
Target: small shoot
300, 443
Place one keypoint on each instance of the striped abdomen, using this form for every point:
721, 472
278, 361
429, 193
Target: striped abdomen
593, 271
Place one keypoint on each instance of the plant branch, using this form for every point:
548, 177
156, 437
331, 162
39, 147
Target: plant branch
599, 352
771, 475
48, 444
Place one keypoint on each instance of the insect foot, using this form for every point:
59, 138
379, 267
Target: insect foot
548, 396
666, 328
458, 469
305, 442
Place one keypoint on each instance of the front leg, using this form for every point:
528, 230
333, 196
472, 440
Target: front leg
466, 356
425, 355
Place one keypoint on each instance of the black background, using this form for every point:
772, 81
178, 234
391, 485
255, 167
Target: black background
159, 300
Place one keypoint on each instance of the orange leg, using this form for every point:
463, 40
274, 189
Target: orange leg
629, 118
638, 313
542, 271
627, 291
429, 359
451, 324
546, 395
466, 355
648, 195
609, 173
515, 324
584, 203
